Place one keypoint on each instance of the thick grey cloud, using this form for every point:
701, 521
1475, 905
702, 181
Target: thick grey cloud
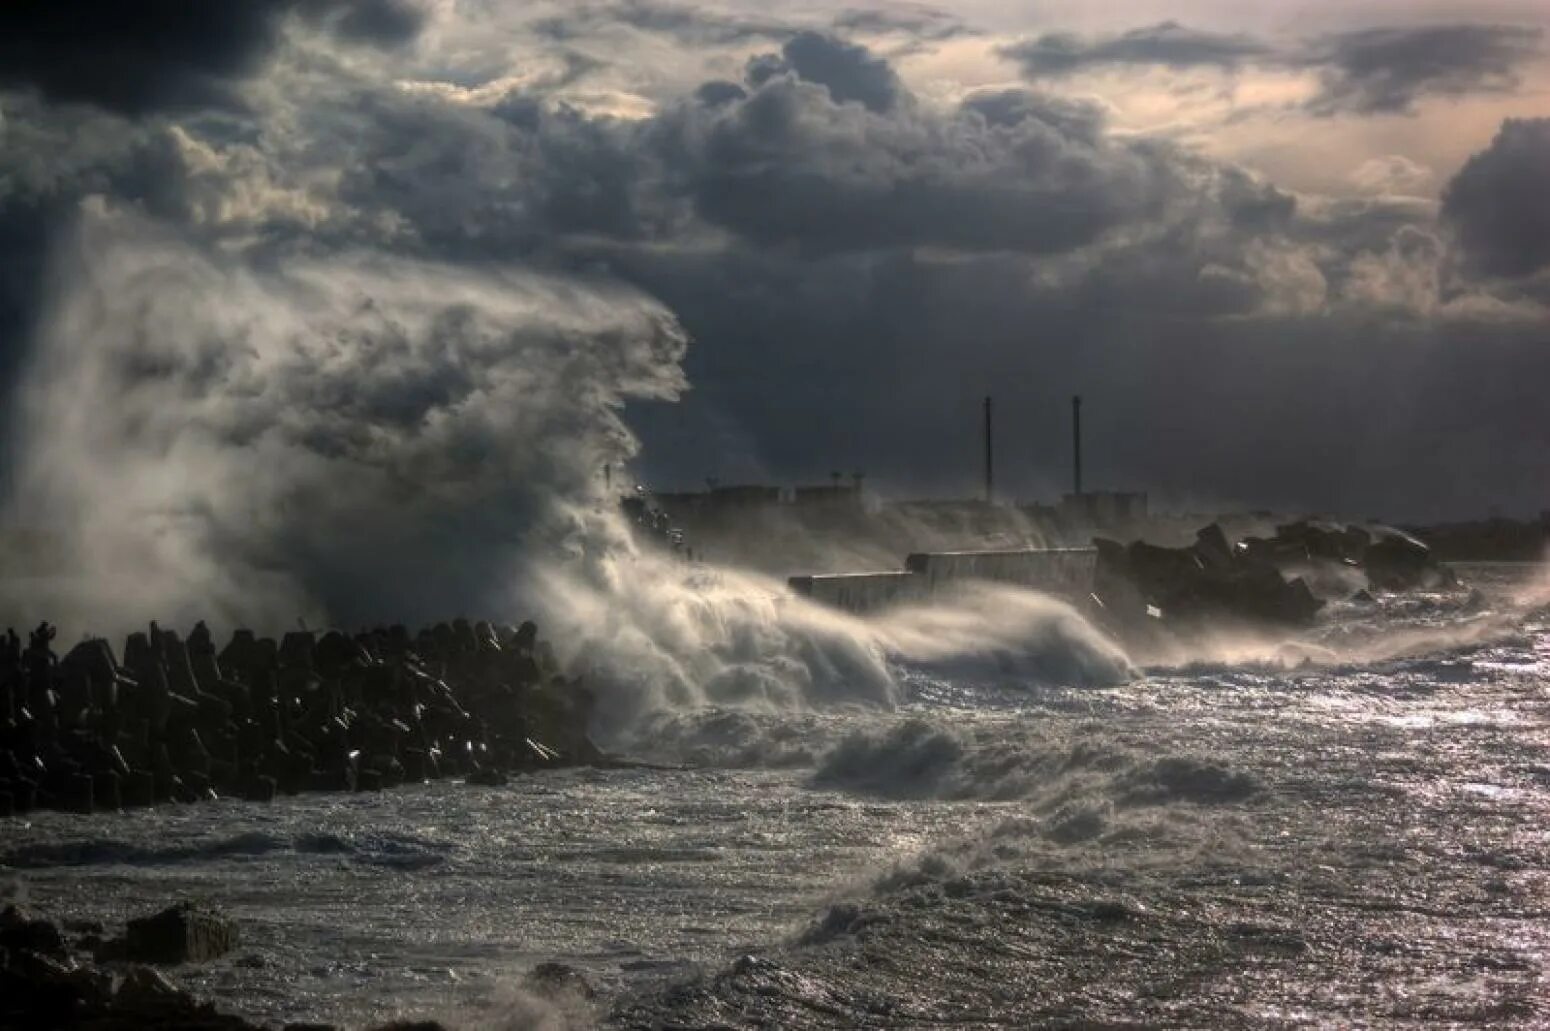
857, 267
917, 20
850, 73
1168, 44
151, 54
684, 22
1387, 70
796, 163
1499, 203
1384, 70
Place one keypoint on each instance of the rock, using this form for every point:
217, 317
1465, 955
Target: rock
412, 1025
259, 789
41, 991
1212, 547
556, 979
1395, 562
144, 986
138, 790
107, 795
21, 931
73, 794
185, 933
487, 777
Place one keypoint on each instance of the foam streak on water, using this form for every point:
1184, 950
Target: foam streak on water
1363, 838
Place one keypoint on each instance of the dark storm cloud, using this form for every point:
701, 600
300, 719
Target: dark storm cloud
922, 24
1499, 203
1168, 44
827, 153
1387, 70
1384, 70
681, 21
1009, 108
858, 267
153, 54
847, 71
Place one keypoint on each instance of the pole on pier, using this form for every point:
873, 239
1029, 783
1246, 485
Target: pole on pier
990, 457
1076, 444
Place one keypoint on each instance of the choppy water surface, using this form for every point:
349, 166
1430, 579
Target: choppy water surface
1357, 840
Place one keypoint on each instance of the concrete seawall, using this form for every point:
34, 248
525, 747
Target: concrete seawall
859, 592
1063, 572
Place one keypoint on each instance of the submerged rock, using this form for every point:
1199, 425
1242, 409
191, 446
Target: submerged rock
184, 933
555, 979
21, 931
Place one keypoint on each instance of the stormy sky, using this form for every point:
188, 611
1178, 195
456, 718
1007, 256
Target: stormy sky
1292, 258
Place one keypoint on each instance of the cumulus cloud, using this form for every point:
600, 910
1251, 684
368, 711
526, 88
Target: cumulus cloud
920, 22
136, 57
1499, 203
792, 161
1168, 44
1382, 70
1391, 174
857, 263
1388, 70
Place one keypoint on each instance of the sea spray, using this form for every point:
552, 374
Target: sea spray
650, 632
207, 433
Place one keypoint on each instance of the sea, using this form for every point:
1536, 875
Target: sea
1349, 829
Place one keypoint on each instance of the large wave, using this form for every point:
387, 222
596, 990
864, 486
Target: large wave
259, 437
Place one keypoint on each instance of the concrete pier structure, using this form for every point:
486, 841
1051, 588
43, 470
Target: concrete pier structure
1065, 573
859, 592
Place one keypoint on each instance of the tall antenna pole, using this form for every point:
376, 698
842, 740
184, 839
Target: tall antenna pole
1076, 444
990, 457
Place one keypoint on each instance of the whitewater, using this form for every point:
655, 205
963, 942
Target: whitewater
1347, 829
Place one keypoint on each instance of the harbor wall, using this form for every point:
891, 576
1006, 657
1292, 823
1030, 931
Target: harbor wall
1063, 572
859, 592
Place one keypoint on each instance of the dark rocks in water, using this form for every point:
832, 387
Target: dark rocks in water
43, 986
1209, 580
552, 980
147, 998
20, 930
182, 721
184, 933
485, 777
260, 789
1398, 562
1257, 580
1390, 559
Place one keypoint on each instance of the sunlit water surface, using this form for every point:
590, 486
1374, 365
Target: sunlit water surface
1366, 841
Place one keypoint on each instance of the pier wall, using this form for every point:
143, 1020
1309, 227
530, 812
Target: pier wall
859, 592
1064, 572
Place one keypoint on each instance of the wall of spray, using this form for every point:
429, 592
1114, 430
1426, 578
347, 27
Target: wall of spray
205, 434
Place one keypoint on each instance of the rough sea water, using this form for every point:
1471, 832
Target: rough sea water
1349, 829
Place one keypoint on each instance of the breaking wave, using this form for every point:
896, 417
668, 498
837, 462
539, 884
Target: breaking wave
260, 438
918, 758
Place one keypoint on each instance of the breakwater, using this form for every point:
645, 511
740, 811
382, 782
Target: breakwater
178, 720
1066, 573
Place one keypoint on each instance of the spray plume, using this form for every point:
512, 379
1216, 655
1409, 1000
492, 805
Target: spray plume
369, 439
